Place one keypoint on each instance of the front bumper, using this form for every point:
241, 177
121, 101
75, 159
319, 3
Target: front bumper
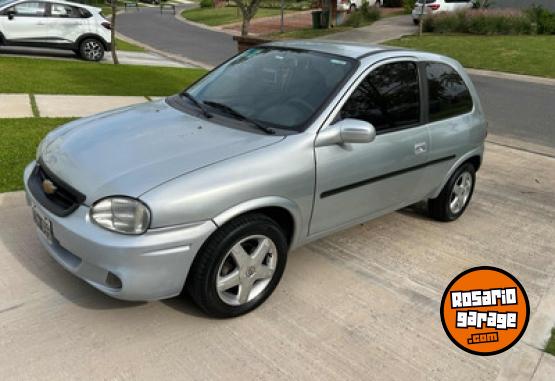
150, 266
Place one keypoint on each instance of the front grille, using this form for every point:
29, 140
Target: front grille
62, 200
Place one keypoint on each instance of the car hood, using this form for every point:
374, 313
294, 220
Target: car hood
132, 150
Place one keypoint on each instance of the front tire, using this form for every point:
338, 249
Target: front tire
455, 195
239, 266
91, 49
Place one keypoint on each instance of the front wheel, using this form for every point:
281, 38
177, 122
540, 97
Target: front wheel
239, 267
91, 49
455, 195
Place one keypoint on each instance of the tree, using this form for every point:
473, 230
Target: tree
248, 9
114, 4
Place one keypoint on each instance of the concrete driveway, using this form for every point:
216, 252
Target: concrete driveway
361, 304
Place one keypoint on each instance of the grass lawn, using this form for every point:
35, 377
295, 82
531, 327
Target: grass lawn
127, 46
532, 55
18, 142
550, 348
224, 15
42, 76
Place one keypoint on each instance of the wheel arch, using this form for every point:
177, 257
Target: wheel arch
473, 157
283, 211
104, 43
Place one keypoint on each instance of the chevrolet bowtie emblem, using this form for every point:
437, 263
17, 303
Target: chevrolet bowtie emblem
48, 187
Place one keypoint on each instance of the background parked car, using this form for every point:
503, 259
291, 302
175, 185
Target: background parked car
435, 6
55, 24
351, 5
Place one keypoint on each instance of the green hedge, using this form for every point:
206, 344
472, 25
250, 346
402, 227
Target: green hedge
363, 16
543, 20
482, 22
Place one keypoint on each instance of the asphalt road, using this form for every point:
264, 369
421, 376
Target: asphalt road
360, 304
166, 33
520, 110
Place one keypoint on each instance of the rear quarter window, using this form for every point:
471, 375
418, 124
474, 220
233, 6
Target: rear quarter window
448, 95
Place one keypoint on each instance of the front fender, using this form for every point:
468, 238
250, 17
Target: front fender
265, 202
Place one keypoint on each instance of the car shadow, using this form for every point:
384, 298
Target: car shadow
37, 52
418, 210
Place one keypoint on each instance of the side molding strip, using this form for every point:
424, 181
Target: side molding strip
345, 188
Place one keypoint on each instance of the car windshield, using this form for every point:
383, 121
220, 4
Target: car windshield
275, 87
5, 2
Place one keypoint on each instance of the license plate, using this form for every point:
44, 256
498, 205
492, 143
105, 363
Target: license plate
43, 223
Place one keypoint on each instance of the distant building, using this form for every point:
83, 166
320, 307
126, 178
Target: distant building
549, 4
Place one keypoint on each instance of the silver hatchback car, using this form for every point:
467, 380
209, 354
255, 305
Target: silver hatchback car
208, 190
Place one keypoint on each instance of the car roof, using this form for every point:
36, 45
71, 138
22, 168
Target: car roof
346, 49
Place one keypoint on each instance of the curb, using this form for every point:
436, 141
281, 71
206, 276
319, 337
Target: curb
511, 76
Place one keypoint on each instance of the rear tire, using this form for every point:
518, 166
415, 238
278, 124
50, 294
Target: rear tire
416, 21
91, 49
239, 266
455, 195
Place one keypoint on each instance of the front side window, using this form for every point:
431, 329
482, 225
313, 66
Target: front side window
388, 98
278, 87
448, 94
30, 9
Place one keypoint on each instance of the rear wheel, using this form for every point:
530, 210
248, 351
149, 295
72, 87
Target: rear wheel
455, 195
91, 49
239, 266
416, 21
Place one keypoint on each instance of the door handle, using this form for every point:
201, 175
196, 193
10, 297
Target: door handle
420, 148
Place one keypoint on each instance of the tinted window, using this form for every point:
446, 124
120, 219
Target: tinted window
448, 94
388, 97
30, 9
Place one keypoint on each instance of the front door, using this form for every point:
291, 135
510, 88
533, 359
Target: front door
28, 24
356, 181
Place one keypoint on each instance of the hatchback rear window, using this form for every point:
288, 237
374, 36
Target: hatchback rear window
448, 94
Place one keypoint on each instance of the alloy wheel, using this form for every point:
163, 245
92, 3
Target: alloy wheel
460, 193
92, 50
246, 270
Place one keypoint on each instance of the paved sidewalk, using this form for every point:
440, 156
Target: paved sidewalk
383, 30
125, 57
70, 106
15, 106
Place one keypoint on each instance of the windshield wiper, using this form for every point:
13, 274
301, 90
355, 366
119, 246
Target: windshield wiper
240, 116
196, 103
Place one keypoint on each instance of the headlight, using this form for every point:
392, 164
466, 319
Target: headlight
121, 214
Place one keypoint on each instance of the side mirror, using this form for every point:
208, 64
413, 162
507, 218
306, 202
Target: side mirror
11, 15
346, 131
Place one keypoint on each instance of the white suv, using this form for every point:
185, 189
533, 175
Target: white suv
55, 24
436, 6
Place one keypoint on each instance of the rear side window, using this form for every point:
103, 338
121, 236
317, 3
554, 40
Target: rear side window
64, 11
448, 94
388, 98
